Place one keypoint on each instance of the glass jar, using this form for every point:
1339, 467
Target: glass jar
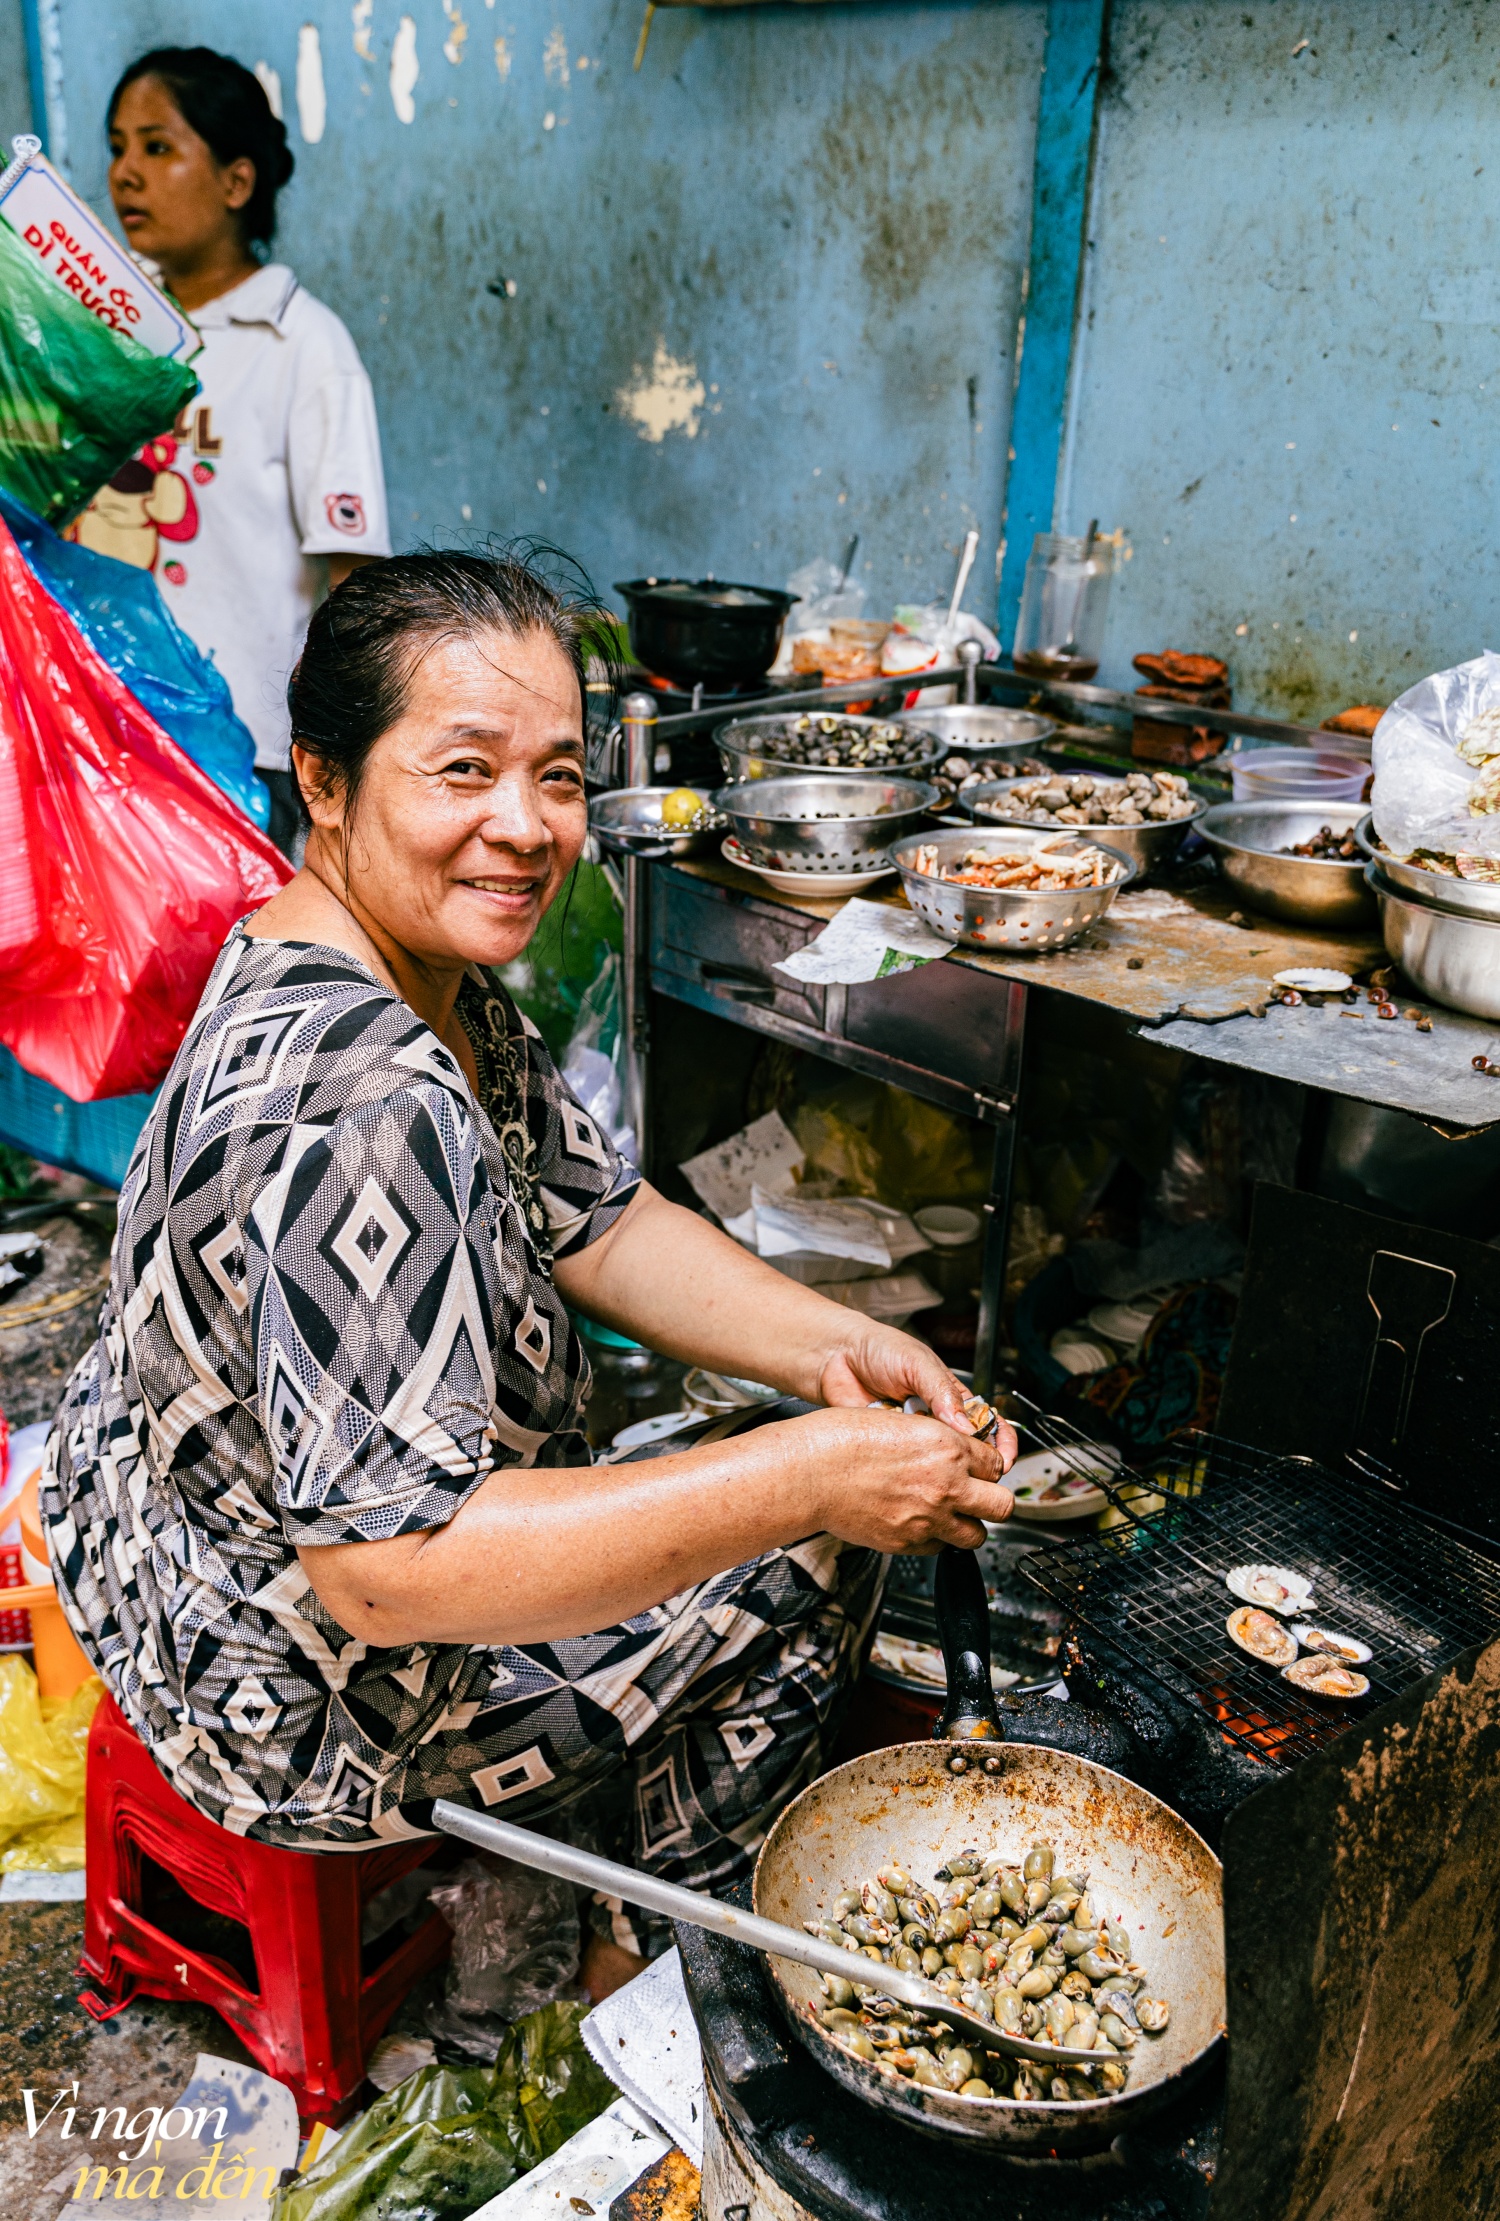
630, 1382
956, 1233
1060, 631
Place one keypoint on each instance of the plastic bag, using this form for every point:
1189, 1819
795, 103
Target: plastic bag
122, 866
567, 953
76, 399
515, 1947
592, 1069
43, 1760
449, 2138
120, 612
823, 593
1422, 785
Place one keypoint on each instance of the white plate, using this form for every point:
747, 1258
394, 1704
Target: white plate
1030, 1475
1351, 1651
1126, 1323
1241, 1579
805, 882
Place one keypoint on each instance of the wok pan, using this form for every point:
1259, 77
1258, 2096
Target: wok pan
916, 1802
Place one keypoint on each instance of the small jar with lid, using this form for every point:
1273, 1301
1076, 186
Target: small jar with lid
956, 1232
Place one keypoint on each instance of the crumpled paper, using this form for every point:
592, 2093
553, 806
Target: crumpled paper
865, 940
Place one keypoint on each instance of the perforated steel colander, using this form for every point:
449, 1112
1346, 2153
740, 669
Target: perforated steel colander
835, 821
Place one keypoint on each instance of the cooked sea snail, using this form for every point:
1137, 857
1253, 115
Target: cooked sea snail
1013, 1941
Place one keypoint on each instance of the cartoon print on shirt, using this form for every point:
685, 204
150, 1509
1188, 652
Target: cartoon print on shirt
346, 513
146, 502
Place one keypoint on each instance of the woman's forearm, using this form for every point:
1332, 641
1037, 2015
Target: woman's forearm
672, 1281
540, 1554
559, 1550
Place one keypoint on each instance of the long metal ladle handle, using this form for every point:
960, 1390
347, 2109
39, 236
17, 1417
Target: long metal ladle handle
698, 1911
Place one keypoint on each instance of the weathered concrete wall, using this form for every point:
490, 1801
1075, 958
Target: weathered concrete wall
15, 93
719, 315
1287, 386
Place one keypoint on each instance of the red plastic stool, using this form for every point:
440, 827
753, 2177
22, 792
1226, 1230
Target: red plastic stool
316, 2013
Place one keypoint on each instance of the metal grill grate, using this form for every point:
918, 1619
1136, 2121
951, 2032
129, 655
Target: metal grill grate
1154, 1585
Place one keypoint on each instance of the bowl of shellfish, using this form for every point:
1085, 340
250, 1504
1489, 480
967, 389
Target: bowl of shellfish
1145, 816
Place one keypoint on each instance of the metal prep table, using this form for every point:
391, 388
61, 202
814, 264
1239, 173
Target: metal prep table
954, 1032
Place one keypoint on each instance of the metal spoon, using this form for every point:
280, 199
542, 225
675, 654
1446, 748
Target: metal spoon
699, 1911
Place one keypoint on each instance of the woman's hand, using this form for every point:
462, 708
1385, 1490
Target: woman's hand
876, 1360
895, 1481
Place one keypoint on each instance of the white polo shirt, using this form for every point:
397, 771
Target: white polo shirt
275, 465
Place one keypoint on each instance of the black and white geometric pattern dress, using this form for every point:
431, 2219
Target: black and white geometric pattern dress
331, 1316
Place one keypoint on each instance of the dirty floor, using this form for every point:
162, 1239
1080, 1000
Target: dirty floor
47, 2042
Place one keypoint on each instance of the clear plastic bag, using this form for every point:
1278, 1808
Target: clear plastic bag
1422, 785
515, 1948
125, 866
120, 612
76, 399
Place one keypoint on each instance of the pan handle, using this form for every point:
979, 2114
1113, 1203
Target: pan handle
963, 1620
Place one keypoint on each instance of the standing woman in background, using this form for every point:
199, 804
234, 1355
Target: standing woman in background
269, 489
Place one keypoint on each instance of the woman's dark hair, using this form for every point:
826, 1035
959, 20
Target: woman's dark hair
366, 640
226, 105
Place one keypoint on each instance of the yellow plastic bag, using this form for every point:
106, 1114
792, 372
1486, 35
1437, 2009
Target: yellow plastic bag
43, 1763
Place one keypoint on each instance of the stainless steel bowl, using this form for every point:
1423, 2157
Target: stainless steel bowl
1004, 920
1149, 847
985, 734
1248, 838
824, 820
1470, 897
747, 749
1453, 958
629, 819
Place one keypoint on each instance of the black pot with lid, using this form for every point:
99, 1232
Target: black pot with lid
717, 632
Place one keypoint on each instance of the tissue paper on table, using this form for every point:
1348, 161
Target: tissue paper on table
645, 2039
863, 941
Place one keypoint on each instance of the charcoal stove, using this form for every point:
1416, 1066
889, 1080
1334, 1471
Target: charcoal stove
1362, 2076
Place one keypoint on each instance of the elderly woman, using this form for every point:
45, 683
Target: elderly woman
320, 1503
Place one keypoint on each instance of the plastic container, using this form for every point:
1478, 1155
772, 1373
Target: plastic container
630, 1383
61, 1666
955, 1233
1297, 775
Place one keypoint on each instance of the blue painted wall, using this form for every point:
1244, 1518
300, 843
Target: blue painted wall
1287, 389
1284, 384
801, 230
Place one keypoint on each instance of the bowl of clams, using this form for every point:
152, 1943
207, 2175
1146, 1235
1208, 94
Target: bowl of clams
1145, 815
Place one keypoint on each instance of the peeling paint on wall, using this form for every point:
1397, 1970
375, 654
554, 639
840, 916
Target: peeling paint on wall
555, 57
667, 398
404, 70
312, 100
502, 55
360, 15
270, 84
458, 31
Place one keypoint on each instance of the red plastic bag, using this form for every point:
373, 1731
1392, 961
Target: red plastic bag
122, 866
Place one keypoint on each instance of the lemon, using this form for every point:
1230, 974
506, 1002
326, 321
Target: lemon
681, 807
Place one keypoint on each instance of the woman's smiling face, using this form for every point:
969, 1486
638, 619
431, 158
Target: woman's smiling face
470, 810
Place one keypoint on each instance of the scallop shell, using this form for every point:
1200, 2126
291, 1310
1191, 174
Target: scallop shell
1322, 1676
1263, 1637
1274, 1588
1347, 1649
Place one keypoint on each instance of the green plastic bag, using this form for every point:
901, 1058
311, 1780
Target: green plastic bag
448, 2138
76, 399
